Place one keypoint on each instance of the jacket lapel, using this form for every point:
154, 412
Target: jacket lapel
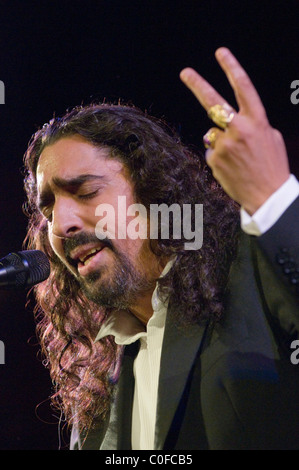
178, 354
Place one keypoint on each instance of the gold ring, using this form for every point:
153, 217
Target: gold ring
222, 115
209, 138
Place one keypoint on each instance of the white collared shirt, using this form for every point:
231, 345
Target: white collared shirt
146, 373
126, 329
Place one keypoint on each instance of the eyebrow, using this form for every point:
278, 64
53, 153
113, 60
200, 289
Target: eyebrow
46, 196
62, 183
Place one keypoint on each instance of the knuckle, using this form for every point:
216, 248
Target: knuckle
246, 128
277, 135
262, 120
226, 145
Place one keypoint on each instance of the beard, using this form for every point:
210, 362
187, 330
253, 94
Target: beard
113, 287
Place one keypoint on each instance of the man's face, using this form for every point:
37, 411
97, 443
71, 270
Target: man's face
73, 179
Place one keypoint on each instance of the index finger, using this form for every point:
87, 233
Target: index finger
246, 95
203, 91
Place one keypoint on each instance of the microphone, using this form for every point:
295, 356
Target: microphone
24, 269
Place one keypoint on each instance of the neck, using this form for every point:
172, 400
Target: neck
143, 309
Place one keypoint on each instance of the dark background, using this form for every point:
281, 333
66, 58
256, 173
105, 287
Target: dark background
55, 55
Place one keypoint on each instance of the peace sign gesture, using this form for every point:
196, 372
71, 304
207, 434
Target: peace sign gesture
247, 156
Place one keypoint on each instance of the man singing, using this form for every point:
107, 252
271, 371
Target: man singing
152, 345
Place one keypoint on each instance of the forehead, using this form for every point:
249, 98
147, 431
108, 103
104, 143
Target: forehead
72, 156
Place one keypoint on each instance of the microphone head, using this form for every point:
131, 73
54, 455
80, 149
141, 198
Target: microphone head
38, 264
31, 266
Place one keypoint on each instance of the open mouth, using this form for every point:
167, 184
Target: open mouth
83, 255
87, 257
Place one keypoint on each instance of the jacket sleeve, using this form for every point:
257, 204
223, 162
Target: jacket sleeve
276, 260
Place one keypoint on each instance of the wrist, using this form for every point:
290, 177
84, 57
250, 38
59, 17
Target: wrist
272, 209
259, 197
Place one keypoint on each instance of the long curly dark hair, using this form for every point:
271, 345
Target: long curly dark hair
163, 170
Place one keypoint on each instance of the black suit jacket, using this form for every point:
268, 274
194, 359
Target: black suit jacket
233, 385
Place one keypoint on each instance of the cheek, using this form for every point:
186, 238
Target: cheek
133, 249
56, 245
55, 242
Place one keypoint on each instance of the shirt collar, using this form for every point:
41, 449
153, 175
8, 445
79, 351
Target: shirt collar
125, 327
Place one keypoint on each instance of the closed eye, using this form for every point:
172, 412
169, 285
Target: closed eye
89, 195
47, 210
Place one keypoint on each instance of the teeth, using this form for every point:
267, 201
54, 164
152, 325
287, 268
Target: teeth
90, 252
87, 261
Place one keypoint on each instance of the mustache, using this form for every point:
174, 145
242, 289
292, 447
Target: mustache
83, 238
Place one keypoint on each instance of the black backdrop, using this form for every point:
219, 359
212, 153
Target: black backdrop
57, 54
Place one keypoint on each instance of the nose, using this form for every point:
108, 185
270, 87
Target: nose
66, 219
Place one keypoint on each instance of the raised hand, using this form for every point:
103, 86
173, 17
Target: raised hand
247, 156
